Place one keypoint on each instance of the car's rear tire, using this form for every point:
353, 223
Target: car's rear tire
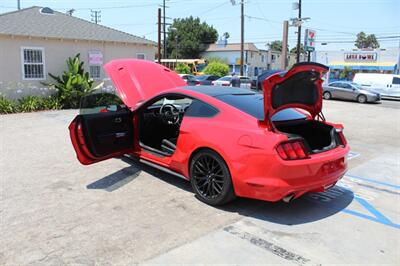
362, 98
210, 178
327, 95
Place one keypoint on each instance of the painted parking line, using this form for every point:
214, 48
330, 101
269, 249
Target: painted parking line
374, 181
362, 197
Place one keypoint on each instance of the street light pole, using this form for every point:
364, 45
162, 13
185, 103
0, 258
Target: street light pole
164, 33
241, 37
298, 35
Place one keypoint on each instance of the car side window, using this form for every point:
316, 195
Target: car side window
101, 103
200, 109
336, 85
396, 81
346, 86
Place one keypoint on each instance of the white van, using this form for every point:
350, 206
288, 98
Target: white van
386, 84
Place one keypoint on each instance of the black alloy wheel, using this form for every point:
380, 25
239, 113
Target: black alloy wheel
210, 178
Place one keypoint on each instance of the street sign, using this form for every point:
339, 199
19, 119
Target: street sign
309, 40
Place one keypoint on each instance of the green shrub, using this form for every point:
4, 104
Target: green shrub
30, 104
7, 106
73, 84
182, 68
216, 68
51, 103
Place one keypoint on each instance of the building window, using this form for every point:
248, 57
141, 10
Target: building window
262, 58
141, 56
32, 63
94, 71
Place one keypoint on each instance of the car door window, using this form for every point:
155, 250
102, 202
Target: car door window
100, 102
346, 86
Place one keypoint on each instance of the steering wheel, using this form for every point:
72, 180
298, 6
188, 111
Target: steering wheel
169, 114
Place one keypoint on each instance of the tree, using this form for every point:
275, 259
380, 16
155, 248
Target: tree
216, 68
226, 35
182, 68
366, 41
294, 49
73, 84
191, 36
346, 73
276, 46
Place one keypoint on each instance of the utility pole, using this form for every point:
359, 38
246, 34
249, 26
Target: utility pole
19, 4
241, 36
298, 34
164, 33
70, 12
159, 36
95, 14
284, 44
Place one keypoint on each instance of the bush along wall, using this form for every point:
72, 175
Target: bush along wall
71, 85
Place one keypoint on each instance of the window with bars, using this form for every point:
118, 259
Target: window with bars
140, 56
94, 71
33, 63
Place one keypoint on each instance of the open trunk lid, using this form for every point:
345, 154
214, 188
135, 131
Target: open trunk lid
300, 87
139, 80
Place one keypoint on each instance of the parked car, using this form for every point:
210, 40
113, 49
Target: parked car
256, 83
255, 145
349, 91
206, 79
190, 79
245, 82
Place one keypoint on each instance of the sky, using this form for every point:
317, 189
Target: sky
336, 22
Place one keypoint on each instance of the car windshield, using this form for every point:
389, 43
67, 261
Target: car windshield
225, 79
190, 78
202, 77
253, 104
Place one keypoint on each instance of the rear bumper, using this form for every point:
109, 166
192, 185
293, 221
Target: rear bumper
284, 178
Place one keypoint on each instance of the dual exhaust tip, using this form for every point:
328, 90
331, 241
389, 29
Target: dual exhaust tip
289, 198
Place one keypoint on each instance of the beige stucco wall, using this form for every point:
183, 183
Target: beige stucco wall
56, 52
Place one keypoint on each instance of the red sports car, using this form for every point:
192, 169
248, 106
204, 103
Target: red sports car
227, 141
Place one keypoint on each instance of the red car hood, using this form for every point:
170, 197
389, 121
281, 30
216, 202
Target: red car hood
139, 80
300, 87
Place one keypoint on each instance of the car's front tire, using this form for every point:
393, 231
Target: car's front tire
210, 178
362, 98
327, 95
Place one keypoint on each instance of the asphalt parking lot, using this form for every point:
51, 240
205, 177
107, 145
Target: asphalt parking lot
55, 211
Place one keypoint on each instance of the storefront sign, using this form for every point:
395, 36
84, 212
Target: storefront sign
95, 58
360, 57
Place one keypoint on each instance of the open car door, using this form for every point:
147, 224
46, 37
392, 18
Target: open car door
300, 87
102, 130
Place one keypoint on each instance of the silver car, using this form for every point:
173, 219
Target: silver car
349, 91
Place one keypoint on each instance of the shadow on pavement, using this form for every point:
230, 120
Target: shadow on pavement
127, 174
309, 208
117, 179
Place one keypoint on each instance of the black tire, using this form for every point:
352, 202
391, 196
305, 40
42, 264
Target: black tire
210, 178
327, 95
362, 98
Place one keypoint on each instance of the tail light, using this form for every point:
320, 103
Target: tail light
343, 140
292, 150
198, 83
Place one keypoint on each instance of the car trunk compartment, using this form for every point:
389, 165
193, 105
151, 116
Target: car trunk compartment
317, 136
